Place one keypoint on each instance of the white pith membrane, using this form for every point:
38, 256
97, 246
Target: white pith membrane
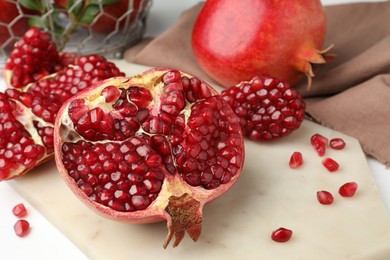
177, 202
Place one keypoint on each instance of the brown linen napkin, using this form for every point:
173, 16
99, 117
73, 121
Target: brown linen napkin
350, 95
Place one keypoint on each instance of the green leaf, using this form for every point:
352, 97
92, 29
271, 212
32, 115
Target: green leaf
103, 2
109, 2
90, 13
36, 22
30, 4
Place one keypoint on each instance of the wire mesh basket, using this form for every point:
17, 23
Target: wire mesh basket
105, 27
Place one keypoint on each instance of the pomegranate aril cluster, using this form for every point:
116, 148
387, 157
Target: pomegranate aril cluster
125, 177
267, 108
33, 57
133, 142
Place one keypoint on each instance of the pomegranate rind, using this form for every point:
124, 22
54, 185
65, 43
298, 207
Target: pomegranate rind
174, 190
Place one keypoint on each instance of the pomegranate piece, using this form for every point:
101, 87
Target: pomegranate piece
281, 235
153, 147
19, 210
33, 57
261, 41
296, 160
27, 115
22, 227
266, 107
325, 197
337, 143
330, 164
348, 189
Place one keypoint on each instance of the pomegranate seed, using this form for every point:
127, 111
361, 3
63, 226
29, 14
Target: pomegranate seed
319, 138
319, 143
19, 210
330, 164
22, 227
324, 197
296, 160
348, 189
281, 235
319, 147
337, 143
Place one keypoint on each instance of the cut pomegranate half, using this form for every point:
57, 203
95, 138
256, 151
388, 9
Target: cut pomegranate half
151, 147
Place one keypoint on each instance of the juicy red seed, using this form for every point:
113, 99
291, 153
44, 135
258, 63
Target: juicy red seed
19, 210
330, 164
111, 93
22, 227
319, 138
319, 147
348, 189
281, 235
171, 76
325, 197
296, 160
337, 143
130, 174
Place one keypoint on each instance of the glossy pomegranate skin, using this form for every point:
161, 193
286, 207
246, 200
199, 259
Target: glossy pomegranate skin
236, 40
163, 154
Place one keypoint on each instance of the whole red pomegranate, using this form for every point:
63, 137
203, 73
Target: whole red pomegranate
153, 147
234, 41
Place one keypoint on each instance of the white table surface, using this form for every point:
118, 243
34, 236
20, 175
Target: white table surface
45, 241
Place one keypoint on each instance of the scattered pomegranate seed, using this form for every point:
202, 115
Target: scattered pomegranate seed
348, 189
330, 164
281, 235
21, 227
325, 197
19, 210
337, 143
296, 160
319, 147
319, 138
319, 143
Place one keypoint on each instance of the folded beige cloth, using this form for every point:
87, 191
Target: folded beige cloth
350, 95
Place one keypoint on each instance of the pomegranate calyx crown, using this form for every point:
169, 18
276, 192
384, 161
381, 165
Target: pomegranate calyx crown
186, 215
309, 60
